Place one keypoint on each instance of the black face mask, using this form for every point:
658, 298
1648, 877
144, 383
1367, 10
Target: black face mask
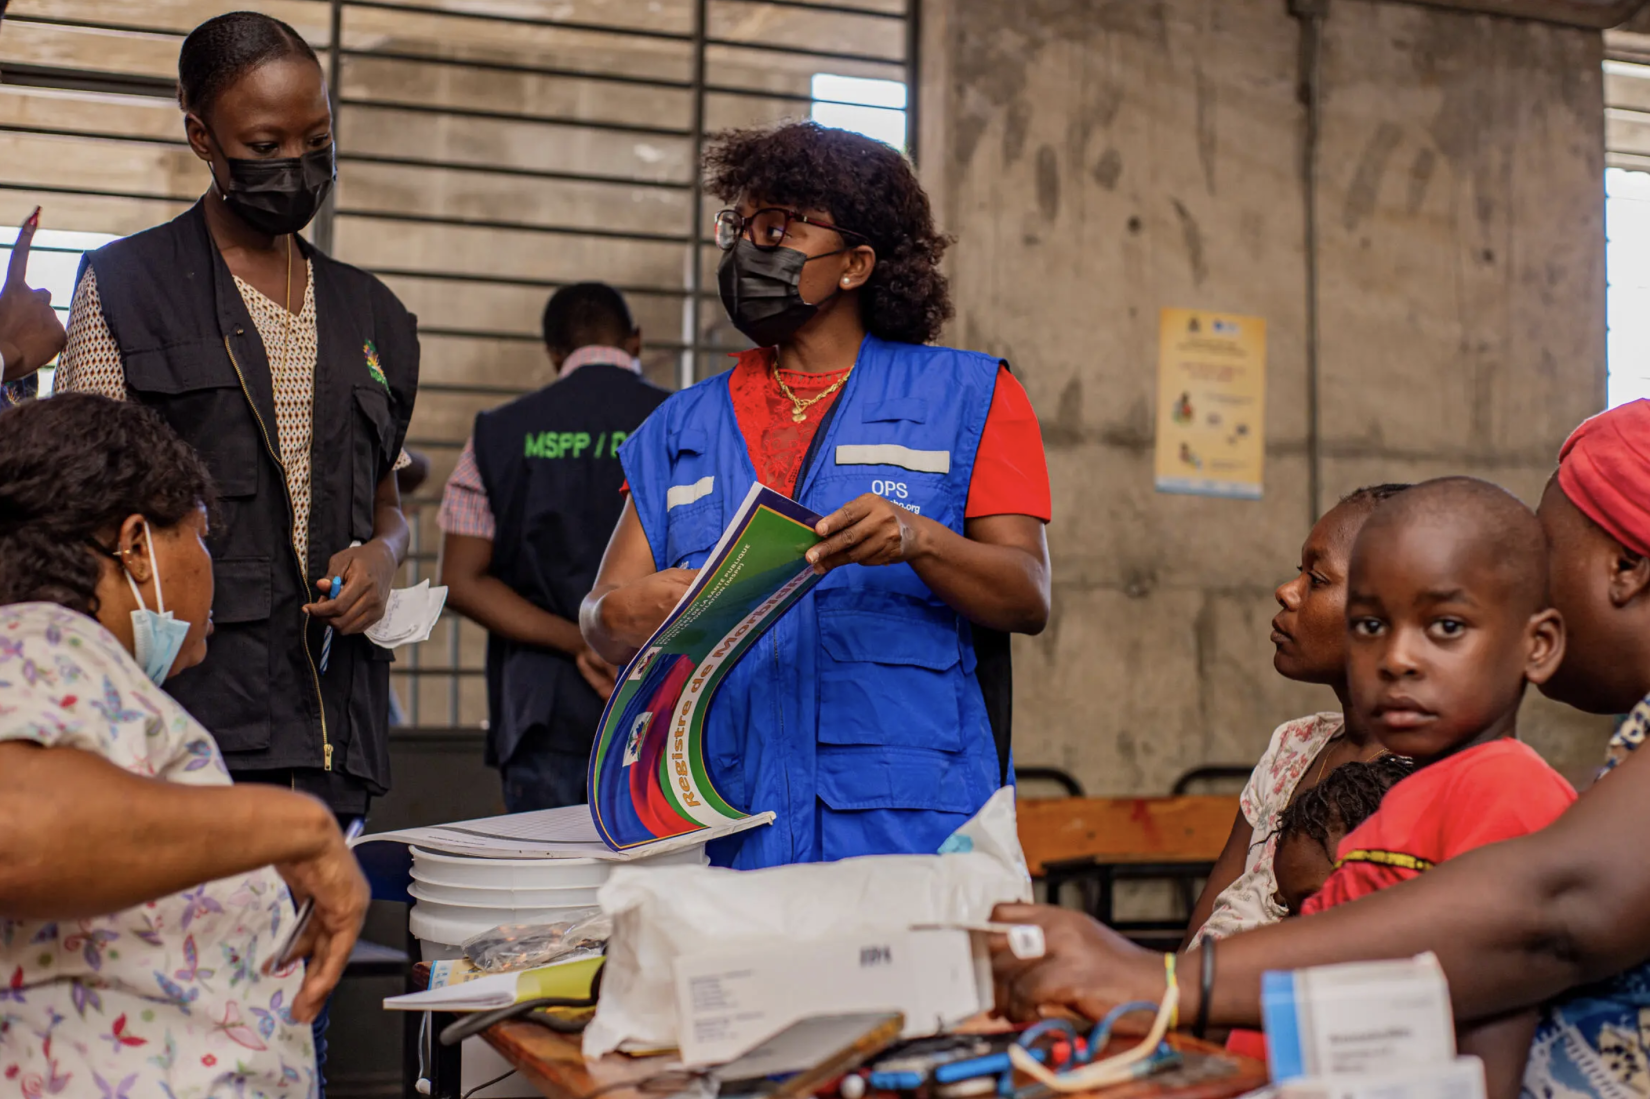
762, 291
279, 196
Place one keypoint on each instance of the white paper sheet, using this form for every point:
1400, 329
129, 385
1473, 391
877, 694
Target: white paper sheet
481, 994
409, 616
566, 833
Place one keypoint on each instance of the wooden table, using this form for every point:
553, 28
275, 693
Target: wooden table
553, 1064
1094, 843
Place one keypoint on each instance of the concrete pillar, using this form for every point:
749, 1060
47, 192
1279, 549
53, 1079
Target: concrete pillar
1100, 160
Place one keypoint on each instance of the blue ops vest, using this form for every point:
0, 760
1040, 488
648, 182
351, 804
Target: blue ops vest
858, 719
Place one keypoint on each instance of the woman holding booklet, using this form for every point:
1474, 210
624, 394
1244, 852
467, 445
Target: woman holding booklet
872, 718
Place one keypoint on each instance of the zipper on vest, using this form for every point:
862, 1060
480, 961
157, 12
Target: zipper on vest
292, 521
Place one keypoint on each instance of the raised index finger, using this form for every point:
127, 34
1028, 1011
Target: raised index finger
17, 267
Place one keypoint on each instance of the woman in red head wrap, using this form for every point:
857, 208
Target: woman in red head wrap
1559, 918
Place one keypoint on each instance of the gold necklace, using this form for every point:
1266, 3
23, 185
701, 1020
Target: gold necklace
286, 333
800, 406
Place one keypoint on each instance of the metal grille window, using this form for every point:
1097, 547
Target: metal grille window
489, 152
1627, 216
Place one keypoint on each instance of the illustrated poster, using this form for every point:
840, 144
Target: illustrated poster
1211, 403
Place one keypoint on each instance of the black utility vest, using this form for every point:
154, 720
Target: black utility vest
550, 466
191, 352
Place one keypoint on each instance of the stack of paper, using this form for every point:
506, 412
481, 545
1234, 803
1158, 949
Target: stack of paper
409, 617
570, 979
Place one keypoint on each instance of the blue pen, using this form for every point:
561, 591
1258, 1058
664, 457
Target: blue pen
326, 638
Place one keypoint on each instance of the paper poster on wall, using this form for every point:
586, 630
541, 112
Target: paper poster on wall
1211, 403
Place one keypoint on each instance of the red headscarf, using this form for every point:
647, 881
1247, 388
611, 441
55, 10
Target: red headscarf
1604, 469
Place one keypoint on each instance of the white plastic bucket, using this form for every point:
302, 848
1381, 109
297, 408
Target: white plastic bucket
437, 868
453, 925
507, 913
483, 897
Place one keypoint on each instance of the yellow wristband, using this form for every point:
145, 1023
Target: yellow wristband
1171, 984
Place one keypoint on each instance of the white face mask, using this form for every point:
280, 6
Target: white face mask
157, 637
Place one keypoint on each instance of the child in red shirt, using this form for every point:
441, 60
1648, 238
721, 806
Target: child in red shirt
1308, 833
1447, 622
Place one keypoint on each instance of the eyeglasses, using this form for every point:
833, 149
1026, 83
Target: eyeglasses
767, 228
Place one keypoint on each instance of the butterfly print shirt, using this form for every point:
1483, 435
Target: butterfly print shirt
167, 999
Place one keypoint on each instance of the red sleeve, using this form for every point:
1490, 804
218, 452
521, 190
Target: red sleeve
1509, 791
1010, 471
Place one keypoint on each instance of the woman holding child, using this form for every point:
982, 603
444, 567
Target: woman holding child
865, 721
1555, 920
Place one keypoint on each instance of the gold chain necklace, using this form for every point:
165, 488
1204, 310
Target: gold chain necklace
286, 334
800, 406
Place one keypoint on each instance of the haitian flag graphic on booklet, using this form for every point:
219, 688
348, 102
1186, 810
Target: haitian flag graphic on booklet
648, 779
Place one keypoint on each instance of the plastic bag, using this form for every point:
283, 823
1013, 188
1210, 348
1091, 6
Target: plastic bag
663, 913
526, 945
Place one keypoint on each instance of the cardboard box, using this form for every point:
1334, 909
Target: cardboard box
1361, 1018
730, 1001
1462, 1078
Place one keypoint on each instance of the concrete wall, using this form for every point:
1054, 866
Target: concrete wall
1098, 161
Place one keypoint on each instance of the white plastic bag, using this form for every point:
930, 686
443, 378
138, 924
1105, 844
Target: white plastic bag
662, 913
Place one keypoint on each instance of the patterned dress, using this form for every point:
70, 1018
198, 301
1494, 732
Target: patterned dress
1248, 902
1596, 1040
166, 999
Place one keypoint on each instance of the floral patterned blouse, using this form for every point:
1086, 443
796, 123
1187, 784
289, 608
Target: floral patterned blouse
1248, 902
167, 998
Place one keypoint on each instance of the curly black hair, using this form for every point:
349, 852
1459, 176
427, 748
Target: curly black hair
72, 468
224, 48
1347, 796
867, 187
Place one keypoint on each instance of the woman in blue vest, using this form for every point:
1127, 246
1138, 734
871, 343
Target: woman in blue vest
860, 719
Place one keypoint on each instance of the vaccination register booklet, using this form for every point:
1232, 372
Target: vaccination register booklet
648, 779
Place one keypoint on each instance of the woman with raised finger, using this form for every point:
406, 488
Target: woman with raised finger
873, 717
294, 377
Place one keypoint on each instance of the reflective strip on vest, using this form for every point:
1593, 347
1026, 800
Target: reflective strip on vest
677, 495
892, 454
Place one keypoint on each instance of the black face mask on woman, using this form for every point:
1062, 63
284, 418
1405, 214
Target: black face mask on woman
762, 291
279, 196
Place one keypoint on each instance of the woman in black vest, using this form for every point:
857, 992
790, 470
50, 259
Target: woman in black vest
293, 375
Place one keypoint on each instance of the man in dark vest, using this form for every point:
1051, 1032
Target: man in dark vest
526, 517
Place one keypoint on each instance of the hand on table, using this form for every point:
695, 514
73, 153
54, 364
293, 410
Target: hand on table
30, 333
1086, 968
867, 530
601, 675
368, 571
334, 880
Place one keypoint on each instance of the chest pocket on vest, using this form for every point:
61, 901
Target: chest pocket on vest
890, 707
692, 533
374, 439
195, 389
693, 503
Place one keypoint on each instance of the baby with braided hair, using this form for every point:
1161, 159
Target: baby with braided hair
1311, 829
